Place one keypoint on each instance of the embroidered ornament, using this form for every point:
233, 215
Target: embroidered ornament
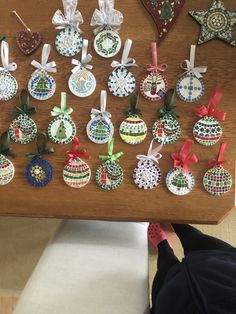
8, 84
207, 131
216, 22
147, 174
41, 85
69, 40
7, 169
217, 181
107, 20
121, 82
82, 82
39, 171
23, 129
61, 130
110, 175
179, 180
133, 129
190, 86
100, 128
154, 85
167, 129
76, 172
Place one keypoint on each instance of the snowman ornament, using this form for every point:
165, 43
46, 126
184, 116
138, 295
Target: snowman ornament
7, 169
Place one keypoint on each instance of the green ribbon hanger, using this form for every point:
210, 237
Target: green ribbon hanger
24, 101
134, 100
41, 142
169, 107
111, 156
4, 145
59, 111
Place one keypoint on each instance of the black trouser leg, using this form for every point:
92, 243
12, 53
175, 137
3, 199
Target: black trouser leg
194, 240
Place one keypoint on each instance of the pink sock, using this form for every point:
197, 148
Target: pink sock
156, 234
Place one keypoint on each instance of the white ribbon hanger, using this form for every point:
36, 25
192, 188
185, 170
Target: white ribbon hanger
49, 67
5, 58
102, 112
71, 16
125, 60
85, 59
188, 65
153, 154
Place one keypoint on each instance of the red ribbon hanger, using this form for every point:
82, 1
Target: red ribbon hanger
155, 66
182, 158
203, 111
219, 161
76, 153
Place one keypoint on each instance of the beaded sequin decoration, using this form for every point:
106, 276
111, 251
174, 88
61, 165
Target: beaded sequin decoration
7, 169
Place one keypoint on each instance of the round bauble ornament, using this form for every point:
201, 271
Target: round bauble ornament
7, 170
76, 173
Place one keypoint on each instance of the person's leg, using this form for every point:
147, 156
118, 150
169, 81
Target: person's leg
193, 239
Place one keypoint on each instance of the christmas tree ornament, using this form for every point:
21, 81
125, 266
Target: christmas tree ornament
7, 169
147, 174
76, 172
27, 41
100, 128
82, 82
164, 13
107, 20
8, 84
62, 130
121, 82
166, 129
23, 129
180, 180
110, 175
216, 22
217, 180
207, 131
69, 40
190, 86
133, 129
154, 85
41, 85
39, 171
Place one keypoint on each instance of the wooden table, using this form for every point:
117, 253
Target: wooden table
128, 202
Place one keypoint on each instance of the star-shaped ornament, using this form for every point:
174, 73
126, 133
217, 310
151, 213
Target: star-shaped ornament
216, 22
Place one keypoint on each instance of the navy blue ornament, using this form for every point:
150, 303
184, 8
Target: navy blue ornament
38, 172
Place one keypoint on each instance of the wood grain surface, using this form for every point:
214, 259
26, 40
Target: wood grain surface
127, 202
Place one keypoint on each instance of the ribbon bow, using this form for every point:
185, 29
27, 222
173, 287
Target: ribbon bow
188, 65
41, 142
4, 145
76, 153
153, 154
24, 101
111, 156
85, 59
49, 67
182, 158
5, 58
155, 66
125, 61
219, 161
71, 16
59, 111
134, 100
102, 112
106, 16
211, 111
169, 100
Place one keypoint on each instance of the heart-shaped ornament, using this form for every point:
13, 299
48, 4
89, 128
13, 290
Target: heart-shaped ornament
27, 41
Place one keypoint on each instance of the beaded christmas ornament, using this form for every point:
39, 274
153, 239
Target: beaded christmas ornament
39, 171
76, 172
8, 84
62, 129
41, 85
110, 175
121, 82
100, 128
154, 85
7, 169
107, 20
82, 82
167, 129
69, 40
217, 180
180, 180
23, 129
207, 131
190, 86
147, 174
133, 129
